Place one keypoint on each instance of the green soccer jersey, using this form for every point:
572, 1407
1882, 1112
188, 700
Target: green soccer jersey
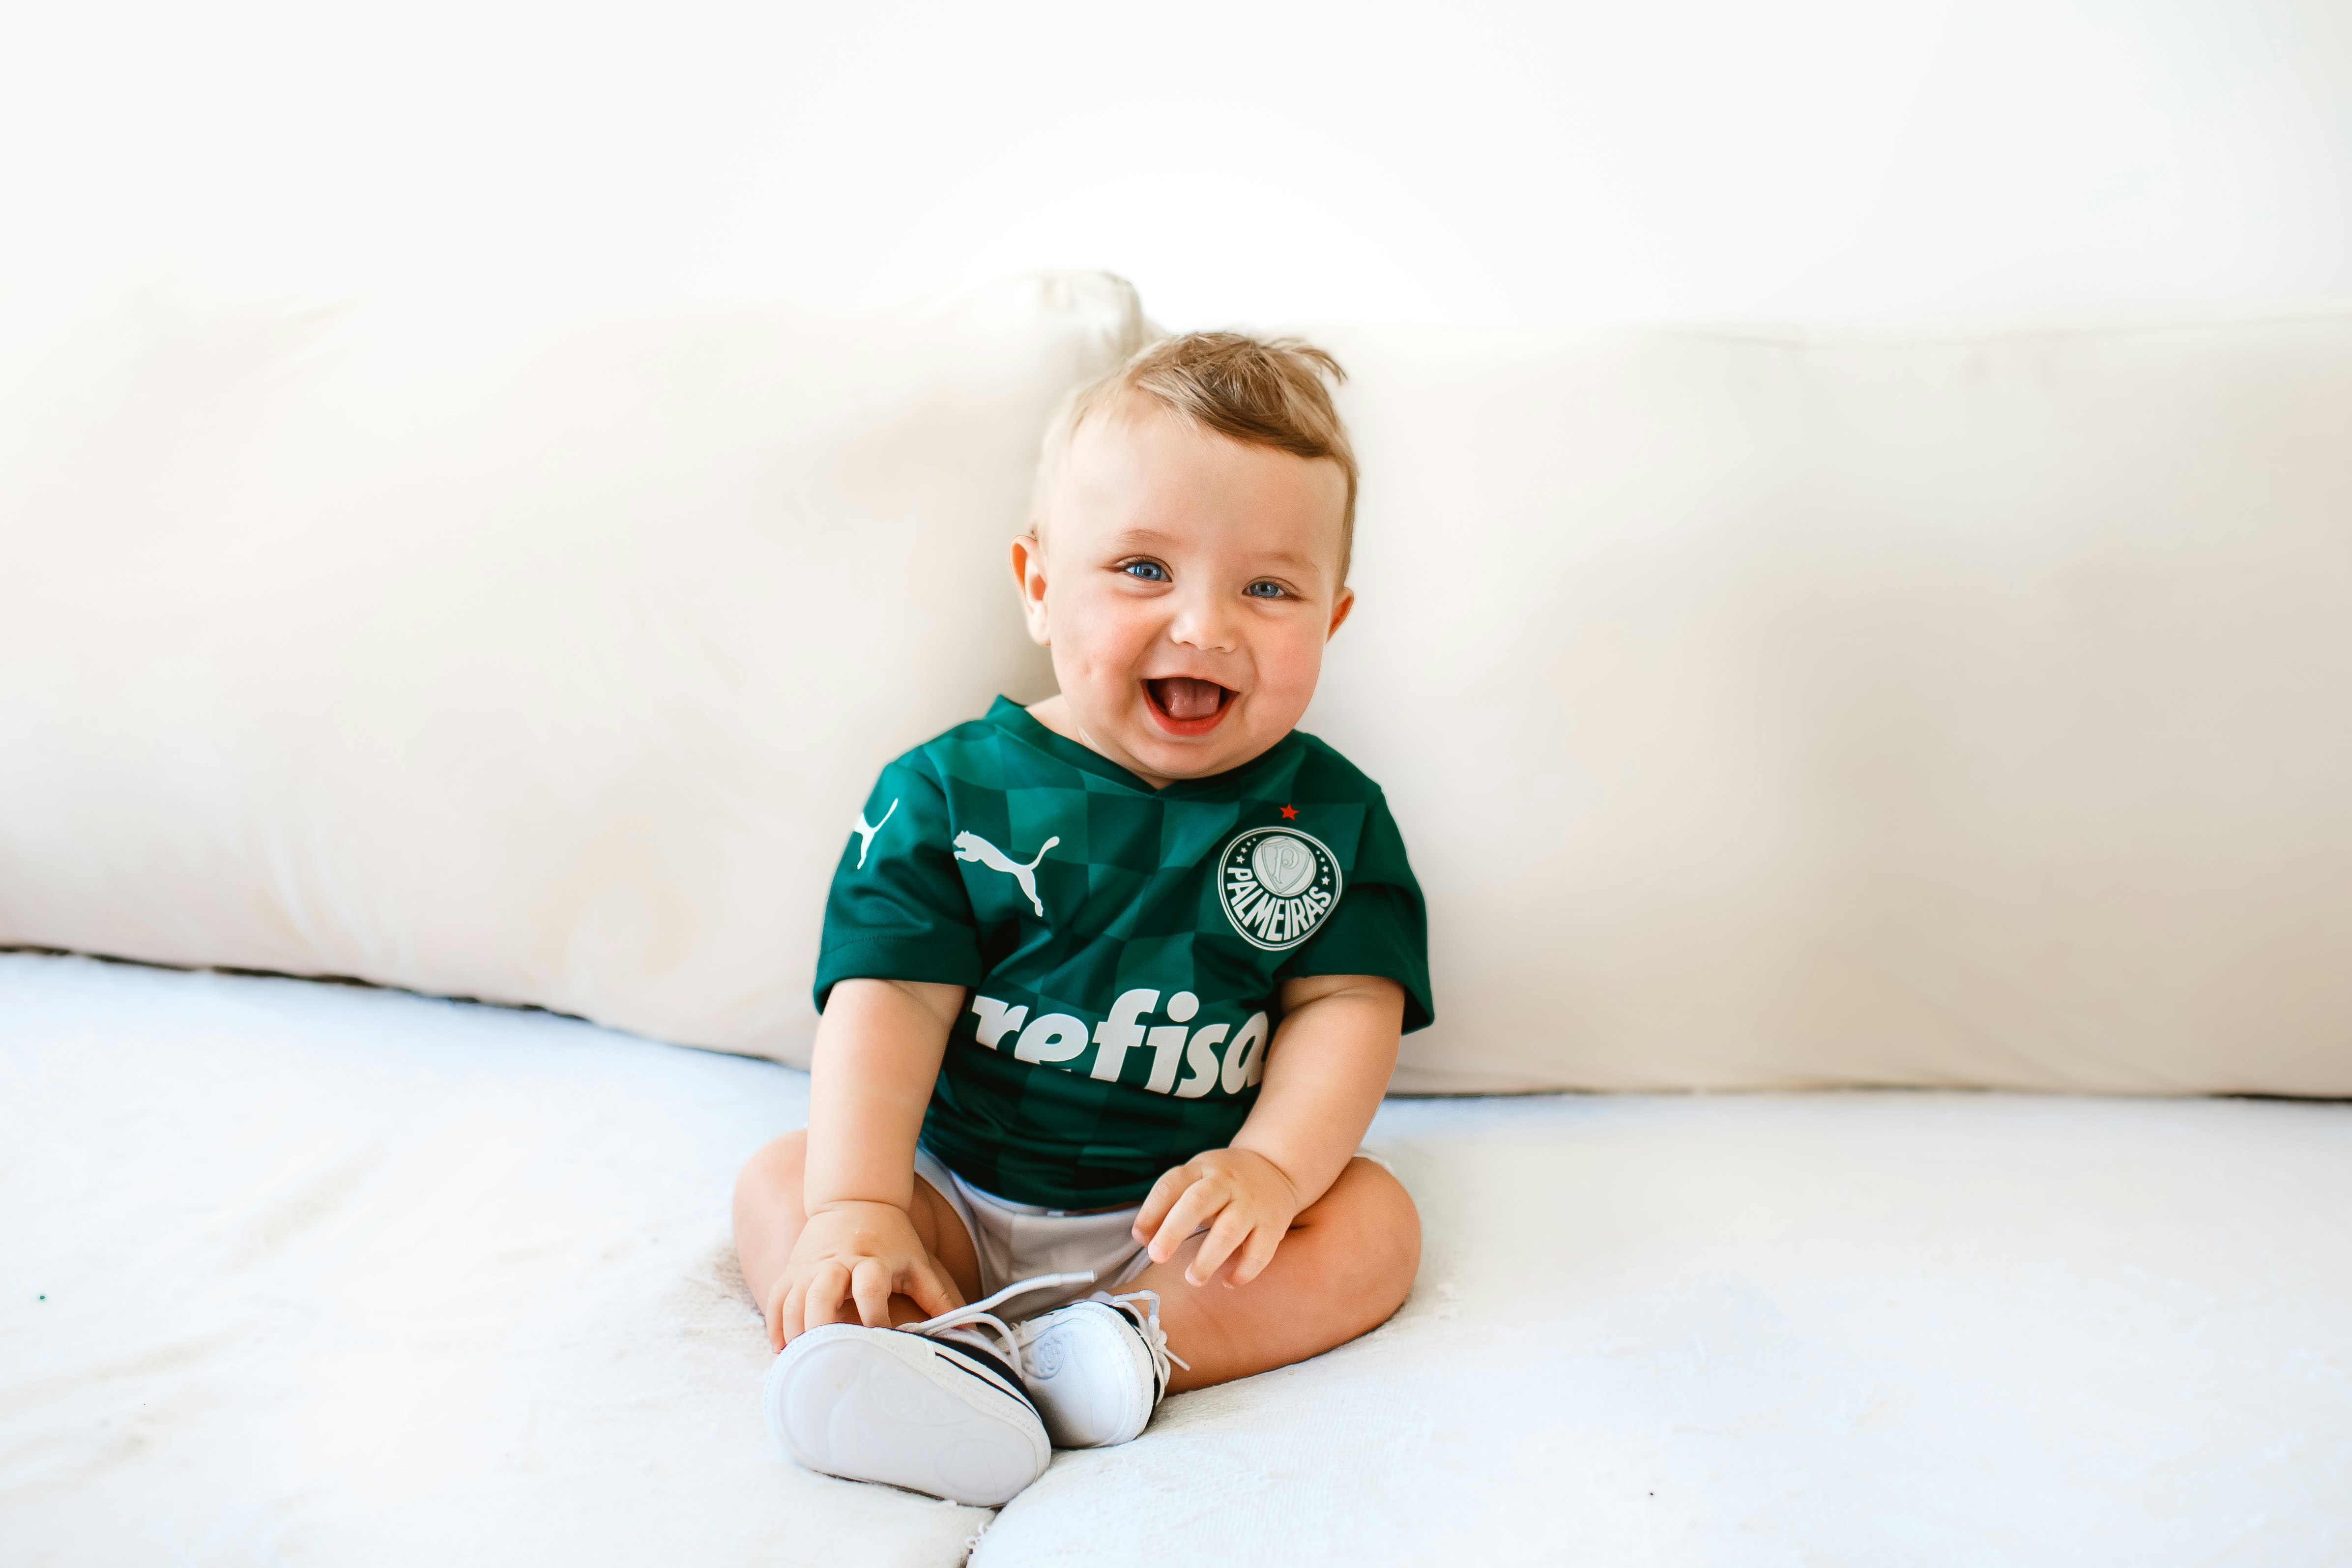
1125, 947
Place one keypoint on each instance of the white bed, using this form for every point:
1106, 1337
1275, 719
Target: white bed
301, 1272
1958, 711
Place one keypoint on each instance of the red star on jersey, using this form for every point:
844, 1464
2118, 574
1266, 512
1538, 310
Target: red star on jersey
1290, 813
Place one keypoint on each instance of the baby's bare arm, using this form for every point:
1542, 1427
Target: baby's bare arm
877, 1053
878, 1048
1346, 1231
1327, 1068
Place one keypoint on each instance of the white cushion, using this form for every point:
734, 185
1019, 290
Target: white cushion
387, 1280
543, 666
337, 1276
1979, 1330
1761, 712
1771, 711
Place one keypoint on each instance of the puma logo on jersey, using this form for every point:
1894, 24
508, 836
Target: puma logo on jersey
973, 847
866, 834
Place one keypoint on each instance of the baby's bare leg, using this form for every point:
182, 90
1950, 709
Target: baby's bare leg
769, 1217
1344, 1268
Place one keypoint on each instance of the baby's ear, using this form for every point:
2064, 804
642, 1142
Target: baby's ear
1029, 582
1340, 608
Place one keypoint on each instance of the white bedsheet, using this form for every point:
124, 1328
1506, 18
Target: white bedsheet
313, 1274
341, 1275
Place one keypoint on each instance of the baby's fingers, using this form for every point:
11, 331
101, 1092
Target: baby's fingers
1199, 1205
869, 1287
1257, 1252
826, 1286
780, 1302
1160, 1200
1231, 1229
930, 1289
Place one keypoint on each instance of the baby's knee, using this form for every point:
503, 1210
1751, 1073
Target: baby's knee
1391, 1225
1377, 1233
774, 1171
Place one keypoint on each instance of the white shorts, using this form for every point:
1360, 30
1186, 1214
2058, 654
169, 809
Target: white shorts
1020, 1241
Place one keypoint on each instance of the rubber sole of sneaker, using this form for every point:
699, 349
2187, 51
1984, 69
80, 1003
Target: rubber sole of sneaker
876, 1404
1091, 1376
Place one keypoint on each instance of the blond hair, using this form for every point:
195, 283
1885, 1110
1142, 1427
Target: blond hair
1261, 391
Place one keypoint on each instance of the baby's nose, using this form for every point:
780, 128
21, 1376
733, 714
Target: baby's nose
1206, 622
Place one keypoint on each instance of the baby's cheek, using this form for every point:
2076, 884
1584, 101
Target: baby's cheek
1288, 672
1106, 636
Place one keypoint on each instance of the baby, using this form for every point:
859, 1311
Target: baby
1111, 986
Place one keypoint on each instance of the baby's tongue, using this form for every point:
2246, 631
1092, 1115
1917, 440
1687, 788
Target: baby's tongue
1183, 697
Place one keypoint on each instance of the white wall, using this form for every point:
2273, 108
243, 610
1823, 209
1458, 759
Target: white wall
1240, 159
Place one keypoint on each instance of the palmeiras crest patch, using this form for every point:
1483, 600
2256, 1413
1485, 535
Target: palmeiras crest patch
1277, 885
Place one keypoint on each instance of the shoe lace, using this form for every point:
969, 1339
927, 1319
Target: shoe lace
979, 1317
1143, 1308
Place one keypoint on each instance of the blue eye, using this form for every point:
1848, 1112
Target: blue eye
1146, 571
1264, 591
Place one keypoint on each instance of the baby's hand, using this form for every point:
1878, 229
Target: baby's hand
1244, 1198
854, 1253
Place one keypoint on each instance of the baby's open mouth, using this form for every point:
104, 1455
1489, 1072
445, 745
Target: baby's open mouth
1186, 706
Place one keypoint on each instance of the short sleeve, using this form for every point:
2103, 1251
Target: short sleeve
1380, 927
897, 909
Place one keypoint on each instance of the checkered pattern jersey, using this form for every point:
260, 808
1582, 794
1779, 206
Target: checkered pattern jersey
1125, 947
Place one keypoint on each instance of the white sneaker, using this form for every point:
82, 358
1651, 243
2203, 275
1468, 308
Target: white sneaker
1096, 1368
934, 1407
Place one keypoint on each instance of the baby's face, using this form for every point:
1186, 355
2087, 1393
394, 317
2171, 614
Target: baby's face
1186, 584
